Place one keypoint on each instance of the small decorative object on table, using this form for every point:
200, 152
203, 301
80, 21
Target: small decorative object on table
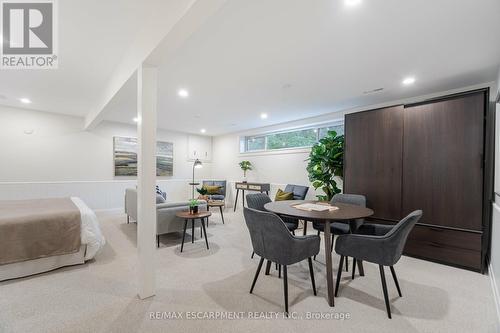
193, 206
245, 166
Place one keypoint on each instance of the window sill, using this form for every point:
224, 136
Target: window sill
277, 151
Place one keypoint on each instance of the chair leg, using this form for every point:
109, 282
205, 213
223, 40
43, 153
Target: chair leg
279, 271
384, 287
253, 253
285, 289
157, 240
347, 264
256, 274
339, 275
128, 219
268, 267
311, 271
276, 265
396, 281
331, 247
293, 232
353, 267
319, 232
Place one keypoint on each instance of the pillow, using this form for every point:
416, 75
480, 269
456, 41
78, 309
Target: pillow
282, 195
160, 199
212, 189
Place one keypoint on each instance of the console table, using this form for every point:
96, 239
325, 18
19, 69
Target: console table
257, 187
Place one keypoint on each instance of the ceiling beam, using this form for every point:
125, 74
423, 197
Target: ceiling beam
155, 42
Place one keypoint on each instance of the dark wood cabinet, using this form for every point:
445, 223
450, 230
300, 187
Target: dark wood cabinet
443, 156
373, 165
429, 156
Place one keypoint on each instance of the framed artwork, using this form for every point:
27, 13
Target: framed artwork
125, 157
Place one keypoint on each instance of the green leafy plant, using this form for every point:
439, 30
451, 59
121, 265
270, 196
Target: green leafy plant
245, 166
193, 203
325, 162
202, 190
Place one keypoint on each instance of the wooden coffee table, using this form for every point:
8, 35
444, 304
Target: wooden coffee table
187, 216
219, 204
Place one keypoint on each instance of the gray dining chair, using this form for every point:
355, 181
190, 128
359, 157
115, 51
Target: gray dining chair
299, 193
271, 240
339, 228
384, 247
257, 201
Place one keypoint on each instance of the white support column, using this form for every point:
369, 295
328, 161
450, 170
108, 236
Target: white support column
146, 179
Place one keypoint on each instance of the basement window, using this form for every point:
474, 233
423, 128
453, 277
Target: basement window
292, 139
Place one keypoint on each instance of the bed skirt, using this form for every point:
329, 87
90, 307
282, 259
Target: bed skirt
36, 266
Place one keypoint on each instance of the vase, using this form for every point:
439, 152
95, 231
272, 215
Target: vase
193, 210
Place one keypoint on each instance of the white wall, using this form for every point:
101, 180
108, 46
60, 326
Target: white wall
60, 159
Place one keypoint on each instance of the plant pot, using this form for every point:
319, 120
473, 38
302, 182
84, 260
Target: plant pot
203, 197
193, 210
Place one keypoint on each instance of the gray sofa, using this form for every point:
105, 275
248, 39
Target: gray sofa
166, 221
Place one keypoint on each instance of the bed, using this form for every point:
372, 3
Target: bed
41, 235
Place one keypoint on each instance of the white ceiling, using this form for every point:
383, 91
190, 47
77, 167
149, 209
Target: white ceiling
289, 58
93, 37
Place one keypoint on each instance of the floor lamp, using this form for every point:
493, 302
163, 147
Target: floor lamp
196, 165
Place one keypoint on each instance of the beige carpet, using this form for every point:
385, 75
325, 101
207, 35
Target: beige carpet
100, 296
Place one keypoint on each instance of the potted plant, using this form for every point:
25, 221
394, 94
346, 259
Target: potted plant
245, 166
203, 193
193, 206
326, 165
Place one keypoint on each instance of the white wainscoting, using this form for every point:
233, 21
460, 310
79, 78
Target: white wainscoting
98, 195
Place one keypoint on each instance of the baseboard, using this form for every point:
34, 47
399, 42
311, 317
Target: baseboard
496, 295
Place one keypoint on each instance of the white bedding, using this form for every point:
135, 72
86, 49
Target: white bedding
91, 232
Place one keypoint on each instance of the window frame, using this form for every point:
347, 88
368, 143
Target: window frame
245, 138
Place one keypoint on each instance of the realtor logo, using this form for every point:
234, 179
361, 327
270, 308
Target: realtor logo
29, 34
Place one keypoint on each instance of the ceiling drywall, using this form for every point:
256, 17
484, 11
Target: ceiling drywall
95, 37
291, 59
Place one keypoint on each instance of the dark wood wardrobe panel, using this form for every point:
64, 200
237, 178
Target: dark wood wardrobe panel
373, 162
443, 161
444, 245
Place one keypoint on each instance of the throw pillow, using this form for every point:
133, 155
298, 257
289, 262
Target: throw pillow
212, 189
282, 195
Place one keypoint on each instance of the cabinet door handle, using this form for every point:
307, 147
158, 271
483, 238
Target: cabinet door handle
194, 152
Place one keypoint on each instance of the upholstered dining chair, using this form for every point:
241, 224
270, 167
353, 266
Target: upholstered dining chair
339, 228
271, 240
257, 201
299, 193
384, 247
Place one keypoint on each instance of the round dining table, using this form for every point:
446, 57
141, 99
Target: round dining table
345, 213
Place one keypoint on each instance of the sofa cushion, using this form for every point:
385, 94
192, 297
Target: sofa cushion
212, 189
160, 199
282, 195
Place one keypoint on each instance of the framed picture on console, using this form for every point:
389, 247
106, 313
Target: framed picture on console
125, 157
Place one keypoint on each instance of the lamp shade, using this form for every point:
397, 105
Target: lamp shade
198, 164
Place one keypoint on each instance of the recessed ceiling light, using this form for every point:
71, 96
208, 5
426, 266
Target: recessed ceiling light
263, 116
352, 2
183, 93
25, 100
136, 119
203, 130
409, 80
